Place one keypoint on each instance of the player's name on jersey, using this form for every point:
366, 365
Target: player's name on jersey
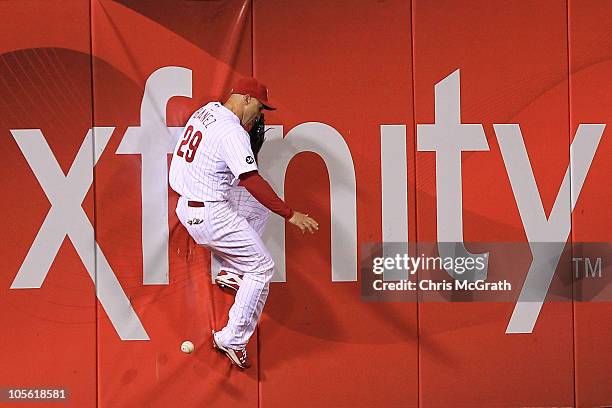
205, 116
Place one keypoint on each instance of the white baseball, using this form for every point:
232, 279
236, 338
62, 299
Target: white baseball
187, 347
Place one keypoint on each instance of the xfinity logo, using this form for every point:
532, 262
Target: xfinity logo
153, 140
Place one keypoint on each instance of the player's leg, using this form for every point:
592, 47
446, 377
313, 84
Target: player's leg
234, 240
230, 236
246, 310
243, 317
248, 207
257, 216
192, 218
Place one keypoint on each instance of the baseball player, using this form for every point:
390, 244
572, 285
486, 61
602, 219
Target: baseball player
214, 171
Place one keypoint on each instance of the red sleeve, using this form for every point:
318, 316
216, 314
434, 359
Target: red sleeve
262, 191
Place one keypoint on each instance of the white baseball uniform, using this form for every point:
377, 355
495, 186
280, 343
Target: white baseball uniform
206, 164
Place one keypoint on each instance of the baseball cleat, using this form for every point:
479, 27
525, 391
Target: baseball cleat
228, 280
237, 357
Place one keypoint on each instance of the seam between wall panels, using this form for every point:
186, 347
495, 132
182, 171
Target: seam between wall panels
571, 235
252, 15
93, 169
416, 229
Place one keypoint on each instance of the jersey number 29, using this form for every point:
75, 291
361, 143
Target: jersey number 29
192, 141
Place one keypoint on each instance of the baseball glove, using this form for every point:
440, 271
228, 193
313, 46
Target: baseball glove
257, 135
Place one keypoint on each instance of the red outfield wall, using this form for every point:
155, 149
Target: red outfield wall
111, 83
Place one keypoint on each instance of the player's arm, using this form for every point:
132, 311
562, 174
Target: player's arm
238, 155
263, 192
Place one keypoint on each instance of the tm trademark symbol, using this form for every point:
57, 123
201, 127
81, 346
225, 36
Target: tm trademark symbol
591, 267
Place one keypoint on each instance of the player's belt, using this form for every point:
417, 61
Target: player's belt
195, 204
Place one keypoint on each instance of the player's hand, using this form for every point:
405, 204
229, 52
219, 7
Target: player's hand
304, 222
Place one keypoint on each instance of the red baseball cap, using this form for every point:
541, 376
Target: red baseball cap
251, 86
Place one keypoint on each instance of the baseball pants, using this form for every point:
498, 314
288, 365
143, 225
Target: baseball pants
232, 231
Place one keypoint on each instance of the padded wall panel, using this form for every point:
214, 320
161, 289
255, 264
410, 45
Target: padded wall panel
511, 59
47, 297
590, 102
345, 65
